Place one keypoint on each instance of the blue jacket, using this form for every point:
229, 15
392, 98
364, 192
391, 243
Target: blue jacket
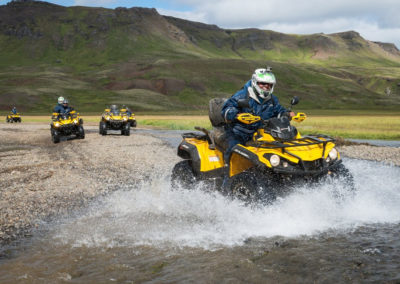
61, 109
264, 108
14, 111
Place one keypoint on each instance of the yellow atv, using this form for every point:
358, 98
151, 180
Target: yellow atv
131, 117
114, 120
277, 158
13, 118
66, 124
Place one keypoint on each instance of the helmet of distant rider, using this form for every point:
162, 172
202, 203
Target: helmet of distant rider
65, 101
263, 76
60, 100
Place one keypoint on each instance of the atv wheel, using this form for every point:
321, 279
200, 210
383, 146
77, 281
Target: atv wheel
127, 130
182, 174
342, 173
55, 137
133, 123
102, 128
250, 187
7, 120
81, 133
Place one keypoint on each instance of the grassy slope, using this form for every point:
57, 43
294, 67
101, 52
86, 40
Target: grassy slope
85, 52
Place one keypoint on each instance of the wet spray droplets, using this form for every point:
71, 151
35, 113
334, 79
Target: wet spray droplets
154, 214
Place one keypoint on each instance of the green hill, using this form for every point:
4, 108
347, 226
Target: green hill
154, 63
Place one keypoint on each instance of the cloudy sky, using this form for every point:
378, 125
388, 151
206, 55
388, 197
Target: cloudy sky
374, 20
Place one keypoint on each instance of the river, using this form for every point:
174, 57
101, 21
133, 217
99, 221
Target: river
148, 232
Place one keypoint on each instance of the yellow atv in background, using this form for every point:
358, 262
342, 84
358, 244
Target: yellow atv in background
66, 124
114, 120
276, 159
131, 117
13, 118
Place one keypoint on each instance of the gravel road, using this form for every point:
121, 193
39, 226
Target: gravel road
40, 180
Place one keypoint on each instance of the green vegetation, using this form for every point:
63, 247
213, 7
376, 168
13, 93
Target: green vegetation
359, 126
163, 65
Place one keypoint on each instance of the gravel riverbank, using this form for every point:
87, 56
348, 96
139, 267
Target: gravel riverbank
40, 180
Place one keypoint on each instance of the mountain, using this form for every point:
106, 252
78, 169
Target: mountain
155, 63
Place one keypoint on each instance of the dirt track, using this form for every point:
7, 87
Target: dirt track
39, 179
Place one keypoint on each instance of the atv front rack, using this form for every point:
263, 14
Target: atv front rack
297, 142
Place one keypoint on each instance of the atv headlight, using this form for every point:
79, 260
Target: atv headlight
56, 124
125, 118
75, 121
333, 154
274, 160
107, 118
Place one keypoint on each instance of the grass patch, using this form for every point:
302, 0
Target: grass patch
357, 127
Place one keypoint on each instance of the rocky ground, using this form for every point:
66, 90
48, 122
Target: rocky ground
40, 180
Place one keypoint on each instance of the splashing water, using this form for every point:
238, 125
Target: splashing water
155, 214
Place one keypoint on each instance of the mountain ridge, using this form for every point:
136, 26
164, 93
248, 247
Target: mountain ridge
139, 57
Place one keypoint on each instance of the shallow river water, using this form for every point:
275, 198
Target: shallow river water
152, 233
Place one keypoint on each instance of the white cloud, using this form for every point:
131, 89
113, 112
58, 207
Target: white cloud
374, 21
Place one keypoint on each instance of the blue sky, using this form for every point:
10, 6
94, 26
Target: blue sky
374, 20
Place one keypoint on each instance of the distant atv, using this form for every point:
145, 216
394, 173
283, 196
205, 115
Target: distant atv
277, 158
131, 117
13, 118
66, 124
114, 120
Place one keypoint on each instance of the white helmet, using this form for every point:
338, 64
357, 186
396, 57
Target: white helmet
60, 100
265, 76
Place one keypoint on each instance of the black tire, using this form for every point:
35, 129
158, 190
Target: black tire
182, 174
7, 119
133, 123
126, 130
342, 173
251, 187
55, 136
81, 132
214, 111
102, 128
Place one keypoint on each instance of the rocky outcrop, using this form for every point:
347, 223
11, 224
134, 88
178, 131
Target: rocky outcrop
389, 47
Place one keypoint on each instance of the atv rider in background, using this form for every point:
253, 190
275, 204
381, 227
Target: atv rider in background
14, 110
128, 111
114, 109
59, 108
67, 108
259, 93
64, 108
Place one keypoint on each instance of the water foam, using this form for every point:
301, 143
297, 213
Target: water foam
155, 214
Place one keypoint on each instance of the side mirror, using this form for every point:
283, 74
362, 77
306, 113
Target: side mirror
243, 103
295, 100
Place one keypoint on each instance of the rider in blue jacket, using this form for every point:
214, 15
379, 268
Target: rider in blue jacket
59, 108
14, 110
262, 102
